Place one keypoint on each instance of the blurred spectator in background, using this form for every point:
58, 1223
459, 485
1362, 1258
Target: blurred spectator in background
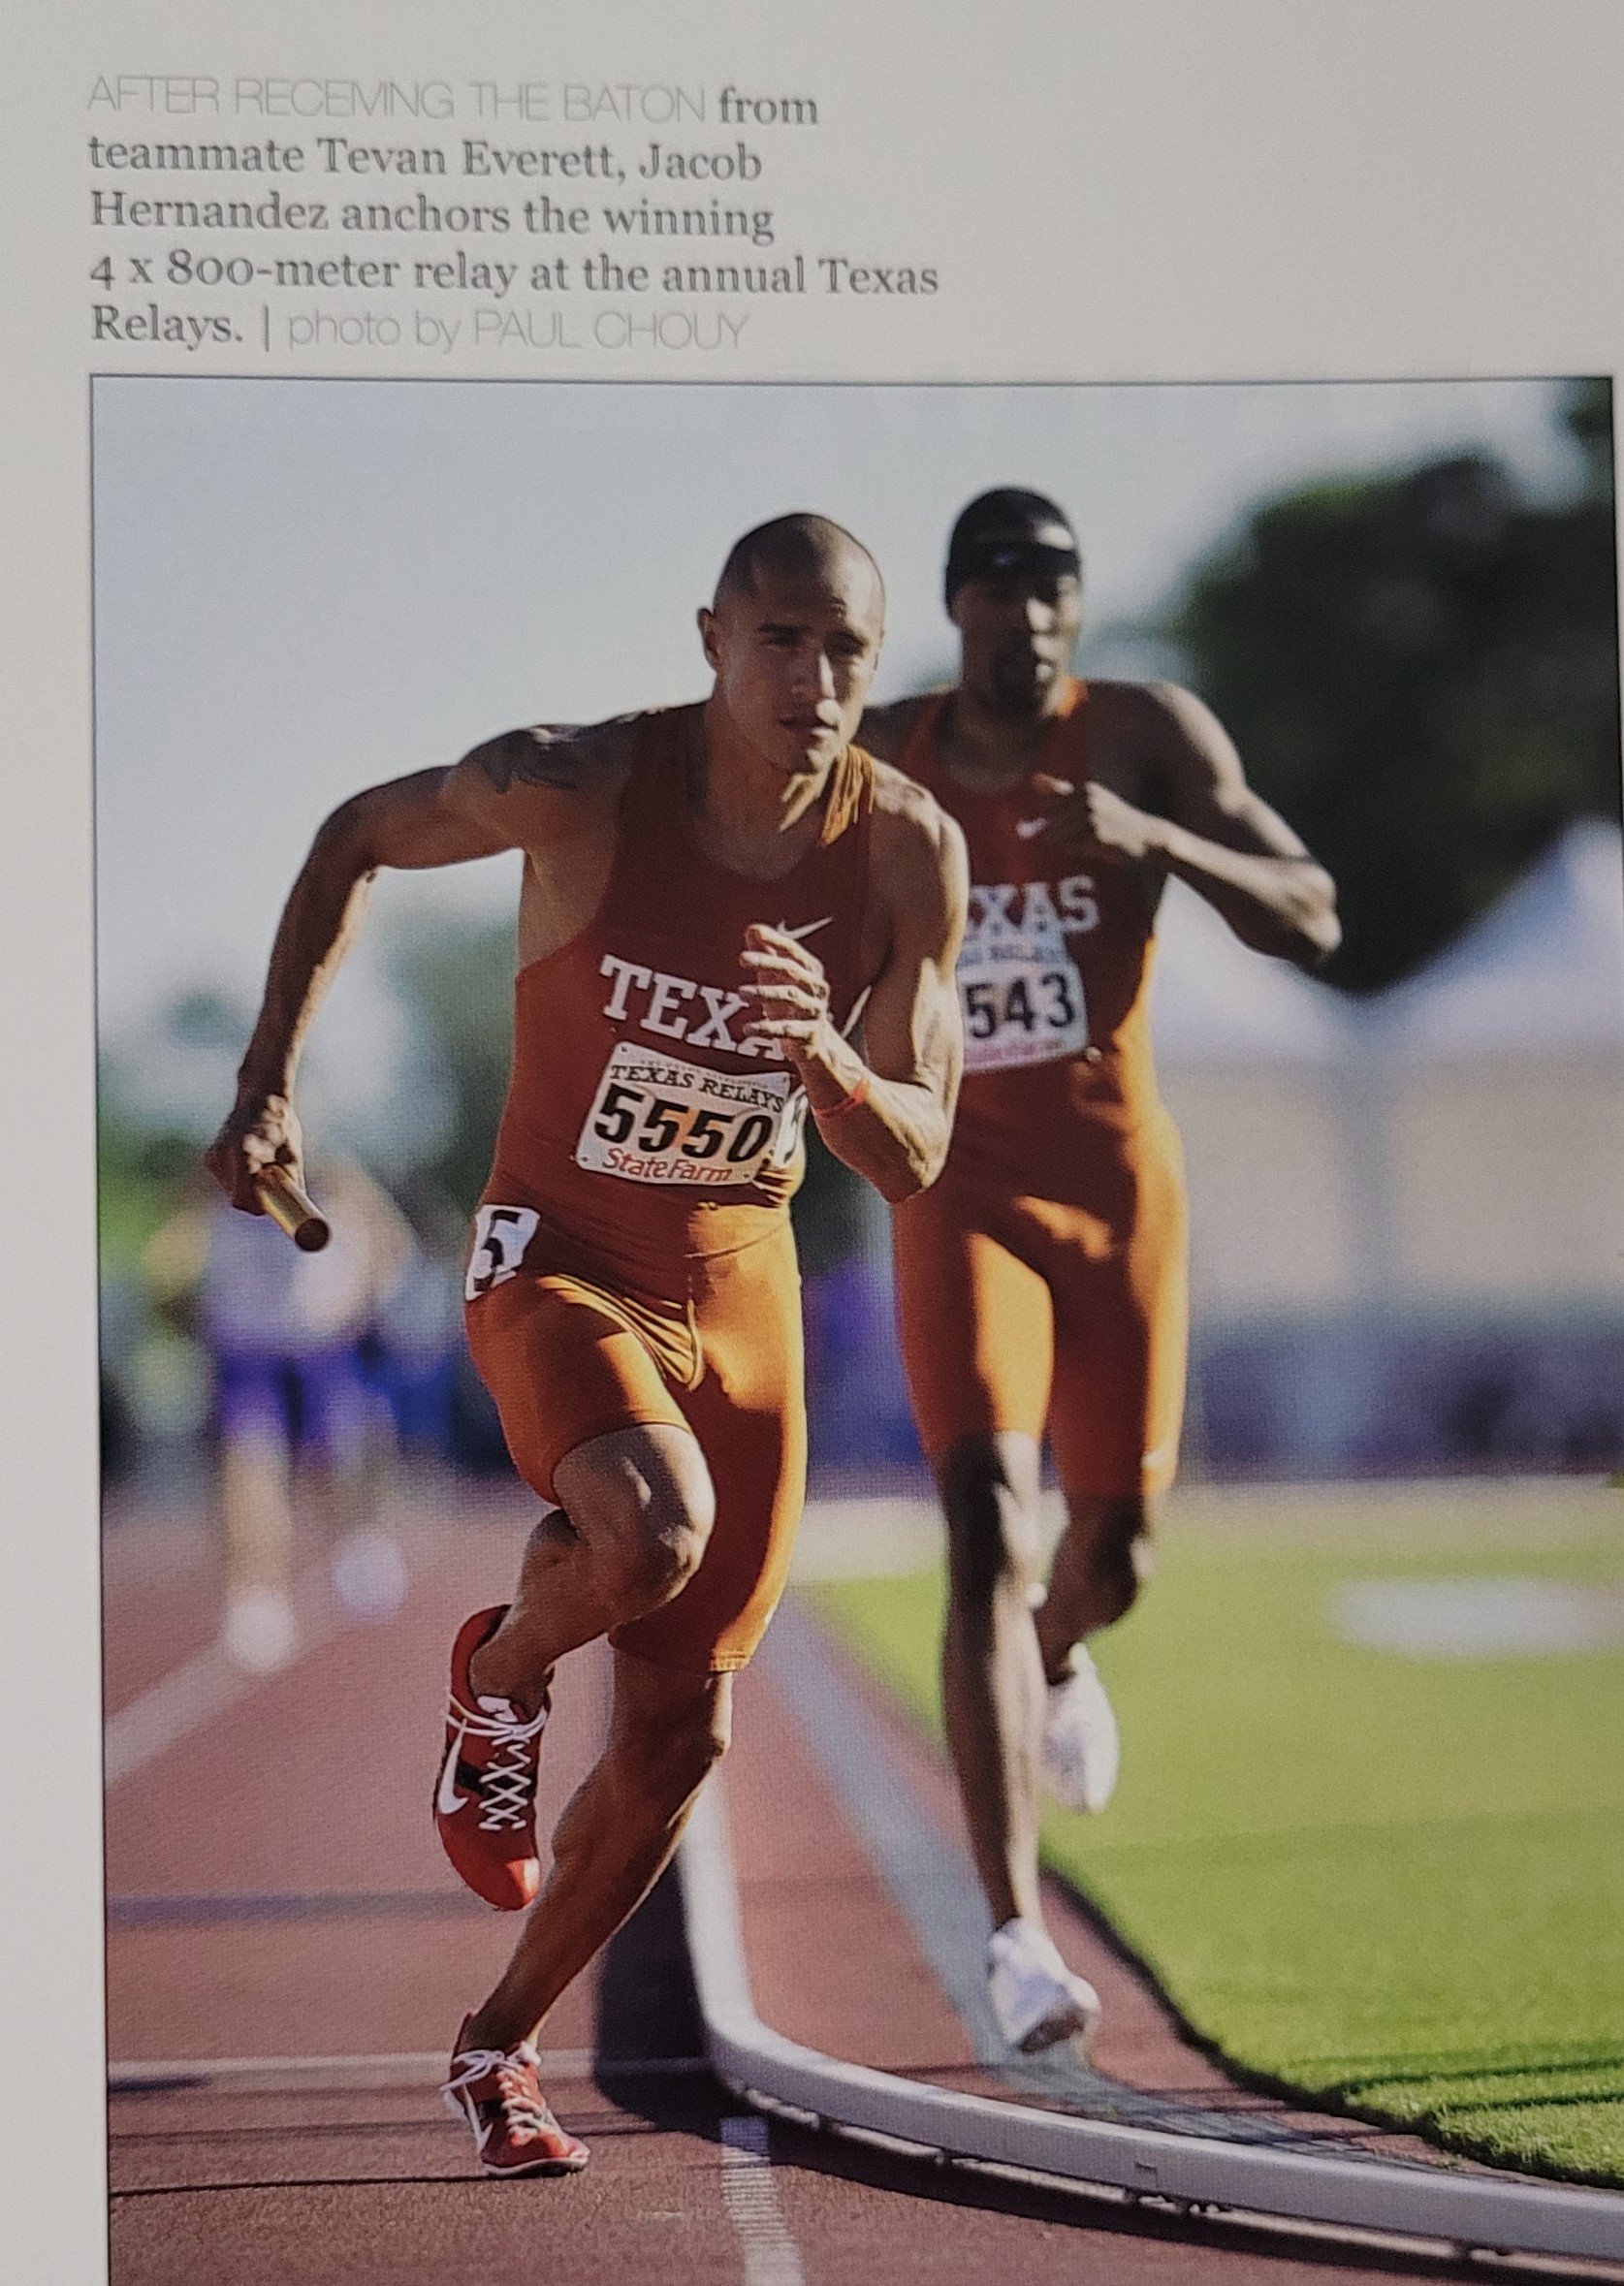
293, 1341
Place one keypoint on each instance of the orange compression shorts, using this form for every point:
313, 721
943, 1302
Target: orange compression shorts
572, 1349
1019, 1313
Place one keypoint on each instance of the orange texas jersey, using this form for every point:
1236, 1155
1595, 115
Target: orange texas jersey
637, 1114
1055, 973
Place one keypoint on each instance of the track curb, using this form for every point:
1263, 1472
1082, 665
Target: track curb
1393, 2197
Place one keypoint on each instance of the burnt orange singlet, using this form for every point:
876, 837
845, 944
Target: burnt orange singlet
632, 1258
1041, 1280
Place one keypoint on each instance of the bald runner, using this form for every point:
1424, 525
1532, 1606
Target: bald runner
709, 895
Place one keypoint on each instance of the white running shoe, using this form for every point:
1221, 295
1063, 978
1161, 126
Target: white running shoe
1037, 2000
1081, 1745
261, 1634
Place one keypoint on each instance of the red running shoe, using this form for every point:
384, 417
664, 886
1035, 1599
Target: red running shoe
501, 2099
485, 1805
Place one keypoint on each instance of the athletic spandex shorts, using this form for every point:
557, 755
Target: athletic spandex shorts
572, 1347
318, 1398
1019, 1313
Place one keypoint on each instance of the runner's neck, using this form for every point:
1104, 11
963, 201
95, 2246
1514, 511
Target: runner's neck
741, 815
989, 754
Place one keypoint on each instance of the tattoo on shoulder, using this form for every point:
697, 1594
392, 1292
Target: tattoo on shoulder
539, 757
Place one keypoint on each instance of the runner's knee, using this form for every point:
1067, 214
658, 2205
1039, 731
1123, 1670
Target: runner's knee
645, 1505
661, 1534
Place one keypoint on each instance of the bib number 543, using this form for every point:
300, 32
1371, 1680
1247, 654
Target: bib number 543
1037, 1000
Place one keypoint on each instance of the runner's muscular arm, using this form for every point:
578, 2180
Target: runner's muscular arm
1212, 831
501, 796
906, 1084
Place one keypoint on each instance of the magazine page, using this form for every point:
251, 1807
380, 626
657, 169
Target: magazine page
814, 1335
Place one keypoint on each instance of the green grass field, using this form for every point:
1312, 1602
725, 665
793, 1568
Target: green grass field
1394, 1883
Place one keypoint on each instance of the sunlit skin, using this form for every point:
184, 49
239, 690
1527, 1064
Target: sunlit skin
793, 649
794, 655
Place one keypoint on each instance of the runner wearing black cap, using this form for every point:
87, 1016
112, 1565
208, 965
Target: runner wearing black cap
1041, 1284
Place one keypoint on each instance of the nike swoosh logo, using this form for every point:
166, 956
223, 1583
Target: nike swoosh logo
1025, 827
811, 928
448, 1801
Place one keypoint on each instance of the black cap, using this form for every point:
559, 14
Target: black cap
1000, 530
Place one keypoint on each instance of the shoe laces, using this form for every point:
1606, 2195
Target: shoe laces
508, 1781
524, 2108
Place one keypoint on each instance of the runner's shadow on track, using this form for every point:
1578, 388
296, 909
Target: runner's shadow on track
649, 2039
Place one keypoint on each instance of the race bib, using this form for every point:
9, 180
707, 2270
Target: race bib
1022, 1002
660, 1118
501, 1233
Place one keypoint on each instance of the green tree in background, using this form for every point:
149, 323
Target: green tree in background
142, 1173
458, 982
1422, 671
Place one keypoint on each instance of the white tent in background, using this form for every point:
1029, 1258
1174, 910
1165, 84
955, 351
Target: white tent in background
1214, 1004
1542, 970
1504, 1065
1253, 1055
1458, 1141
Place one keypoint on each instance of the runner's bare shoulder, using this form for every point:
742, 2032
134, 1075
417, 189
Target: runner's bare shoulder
550, 780
1160, 718
918, 850
1192, 773
886, 730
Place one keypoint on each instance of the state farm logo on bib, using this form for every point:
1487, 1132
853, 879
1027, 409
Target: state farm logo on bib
1021, 989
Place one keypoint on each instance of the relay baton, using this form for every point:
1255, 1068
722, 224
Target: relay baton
292, 1210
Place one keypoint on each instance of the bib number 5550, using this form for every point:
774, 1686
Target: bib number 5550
652, 1124
662, 1119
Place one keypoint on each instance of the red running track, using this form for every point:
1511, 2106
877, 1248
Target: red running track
277, 1895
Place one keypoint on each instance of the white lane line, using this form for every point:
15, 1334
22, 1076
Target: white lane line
182, 1702
932, 1884
337, 2074
260, 2075
202, 1686
751, 2196
1502, 1617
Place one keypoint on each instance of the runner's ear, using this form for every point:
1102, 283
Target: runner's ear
707, 619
